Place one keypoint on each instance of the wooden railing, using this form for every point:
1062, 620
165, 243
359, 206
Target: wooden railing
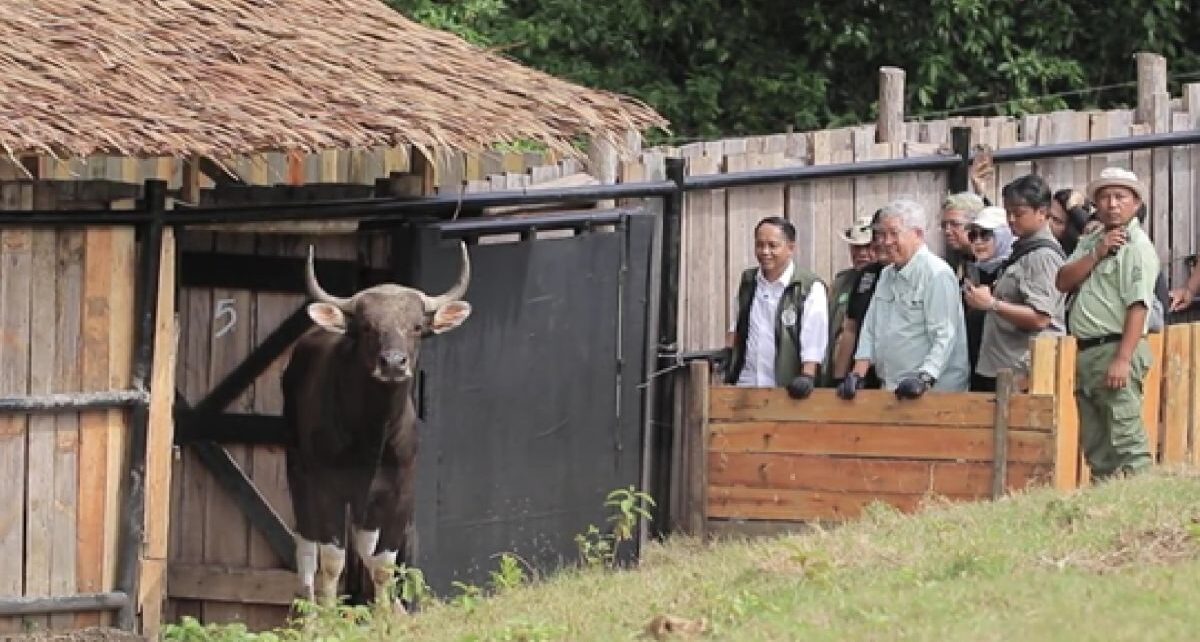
754, 454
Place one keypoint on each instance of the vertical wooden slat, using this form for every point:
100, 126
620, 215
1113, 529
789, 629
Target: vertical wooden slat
841, 202
227, 539
1182, 213
705, 305
1004, 391
68, 343
159, 445
695, 448
1159, 218
1176, 394
39, 496
123, 277
1043, 368
746, 206
15, 267
1194, 407
821, 193
1152, 401
93, 426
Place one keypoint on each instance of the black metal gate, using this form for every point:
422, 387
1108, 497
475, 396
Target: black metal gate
532, 410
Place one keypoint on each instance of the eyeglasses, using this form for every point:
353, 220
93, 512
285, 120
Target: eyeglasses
979, 234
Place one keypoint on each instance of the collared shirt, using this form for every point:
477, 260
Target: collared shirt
1028, 282
915, 324
1115, 283
759, 369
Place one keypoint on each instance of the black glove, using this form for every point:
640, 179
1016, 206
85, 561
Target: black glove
913, 387
849, 386
800, 387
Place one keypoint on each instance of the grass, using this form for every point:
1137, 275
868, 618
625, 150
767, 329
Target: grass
1117, 562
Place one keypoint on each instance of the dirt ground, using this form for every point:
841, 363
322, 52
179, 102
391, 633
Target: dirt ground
93, 634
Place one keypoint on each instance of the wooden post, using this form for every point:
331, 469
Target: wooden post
1004, 388
1176, 392
695, 450
890, 127
1194, 406
1151, 79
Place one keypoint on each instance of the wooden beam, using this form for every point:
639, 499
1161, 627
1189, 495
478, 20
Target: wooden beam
890, 126
226, 584
694, 445
230, 428
1004, 389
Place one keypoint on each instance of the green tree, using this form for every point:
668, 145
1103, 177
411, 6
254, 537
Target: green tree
740, 67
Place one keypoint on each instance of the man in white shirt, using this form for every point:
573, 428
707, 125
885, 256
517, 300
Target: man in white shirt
780, 317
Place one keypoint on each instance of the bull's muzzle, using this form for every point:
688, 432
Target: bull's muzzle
393, 365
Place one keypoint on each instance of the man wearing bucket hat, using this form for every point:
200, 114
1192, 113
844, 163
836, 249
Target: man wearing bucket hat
858, 238
1114, 270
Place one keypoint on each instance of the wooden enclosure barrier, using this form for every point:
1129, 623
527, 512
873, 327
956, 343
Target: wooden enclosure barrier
756, 455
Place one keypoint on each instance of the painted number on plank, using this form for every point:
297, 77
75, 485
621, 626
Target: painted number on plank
225, 313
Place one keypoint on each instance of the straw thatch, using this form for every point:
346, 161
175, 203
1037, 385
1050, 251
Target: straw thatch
227, 77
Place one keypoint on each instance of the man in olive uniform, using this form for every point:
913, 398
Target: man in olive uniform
1114, 270
862, 256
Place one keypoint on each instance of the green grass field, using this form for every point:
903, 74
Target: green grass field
1116, 562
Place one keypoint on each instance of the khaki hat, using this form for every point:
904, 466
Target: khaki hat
1117, 177
990, 218
857, 234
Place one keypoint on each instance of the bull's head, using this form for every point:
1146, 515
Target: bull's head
385, 323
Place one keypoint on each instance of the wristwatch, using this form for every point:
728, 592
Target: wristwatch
927, 379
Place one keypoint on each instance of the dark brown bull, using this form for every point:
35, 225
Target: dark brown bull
347, 400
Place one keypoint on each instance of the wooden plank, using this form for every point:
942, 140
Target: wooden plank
39, 496
875, 440
783, 471
841, 202
948, 409
1182, 211
821, 194
1159, 182
694, 444
807, 505
1068, 455
91, 530
15, 274
227, 539
67, 377
160, 444
213, 583
1043, 368
122, 286
1004, 390
269, 472
705, 308
1177, 373
746, 206
1152, 391
1194, 410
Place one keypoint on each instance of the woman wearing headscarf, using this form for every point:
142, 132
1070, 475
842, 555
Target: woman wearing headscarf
991, 244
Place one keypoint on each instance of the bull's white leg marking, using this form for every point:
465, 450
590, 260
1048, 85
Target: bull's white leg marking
379, 565
333, 560
306, 566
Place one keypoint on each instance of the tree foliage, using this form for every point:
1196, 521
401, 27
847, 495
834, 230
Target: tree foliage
741, 67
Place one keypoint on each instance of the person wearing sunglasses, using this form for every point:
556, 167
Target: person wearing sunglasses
1115, 271
1022, 302
991, 243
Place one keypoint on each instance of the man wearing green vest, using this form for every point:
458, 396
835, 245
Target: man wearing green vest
780, 326
862, 255
1113, 271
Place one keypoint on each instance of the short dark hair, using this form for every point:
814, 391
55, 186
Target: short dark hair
1030, 190
783, 224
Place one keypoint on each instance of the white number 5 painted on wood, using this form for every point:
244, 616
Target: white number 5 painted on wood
225, 309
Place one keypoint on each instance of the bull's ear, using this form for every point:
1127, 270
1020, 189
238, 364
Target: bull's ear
449, 316
329, 317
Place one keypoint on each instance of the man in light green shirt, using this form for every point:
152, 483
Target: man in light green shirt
1114, 270
913, 332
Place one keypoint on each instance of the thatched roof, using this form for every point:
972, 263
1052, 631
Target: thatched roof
226, 77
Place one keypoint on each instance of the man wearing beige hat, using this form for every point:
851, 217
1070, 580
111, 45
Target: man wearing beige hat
858, 237
1114, 270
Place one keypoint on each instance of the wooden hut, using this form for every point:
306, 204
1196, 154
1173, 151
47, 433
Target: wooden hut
99, 96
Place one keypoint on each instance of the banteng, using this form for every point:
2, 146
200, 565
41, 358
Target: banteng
348, 403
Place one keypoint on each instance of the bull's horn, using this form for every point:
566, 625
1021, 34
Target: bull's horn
456, 291
316, 292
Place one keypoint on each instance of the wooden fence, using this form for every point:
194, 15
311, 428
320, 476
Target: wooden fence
755, 455
67, 326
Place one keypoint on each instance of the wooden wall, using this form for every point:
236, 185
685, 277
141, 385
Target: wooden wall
66, 325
